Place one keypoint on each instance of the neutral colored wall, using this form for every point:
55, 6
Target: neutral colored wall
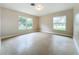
0, 29
47, 26
9, 22
36, 24
76, 27
0, 21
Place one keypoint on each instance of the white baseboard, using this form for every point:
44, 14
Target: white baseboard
4, 37
9, 36
64, 34
59, 34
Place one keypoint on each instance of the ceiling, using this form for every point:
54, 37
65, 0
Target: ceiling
48, 7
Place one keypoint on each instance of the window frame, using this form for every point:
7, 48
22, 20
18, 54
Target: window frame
65, 23
26, 23
32, 24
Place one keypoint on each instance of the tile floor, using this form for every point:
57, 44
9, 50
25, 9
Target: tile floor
38, 44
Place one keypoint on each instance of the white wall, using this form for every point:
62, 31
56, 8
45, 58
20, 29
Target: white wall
0, 29
76, 27
0, 21
9, 22
45, 24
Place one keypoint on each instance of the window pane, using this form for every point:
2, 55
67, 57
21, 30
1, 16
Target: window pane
59, 23
22, 23
25, 23
29, 23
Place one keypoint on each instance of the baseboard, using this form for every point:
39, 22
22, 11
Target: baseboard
9, 36
76, 46
59, 34
64, 34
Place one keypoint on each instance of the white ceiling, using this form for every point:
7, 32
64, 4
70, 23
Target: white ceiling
48, 7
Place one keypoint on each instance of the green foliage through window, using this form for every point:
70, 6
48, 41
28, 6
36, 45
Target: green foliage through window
25, 23
59, 23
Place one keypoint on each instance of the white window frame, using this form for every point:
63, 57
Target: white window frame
26, 27
59, 21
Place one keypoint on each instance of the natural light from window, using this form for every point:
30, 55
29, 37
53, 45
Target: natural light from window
59, 23
25, 23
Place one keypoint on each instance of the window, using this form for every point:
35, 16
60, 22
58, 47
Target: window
59, 23
25, 23
29, 23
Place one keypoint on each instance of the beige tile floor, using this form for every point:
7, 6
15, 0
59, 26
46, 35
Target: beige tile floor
38, 44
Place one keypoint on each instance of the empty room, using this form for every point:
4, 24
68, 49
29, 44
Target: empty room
39, 28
